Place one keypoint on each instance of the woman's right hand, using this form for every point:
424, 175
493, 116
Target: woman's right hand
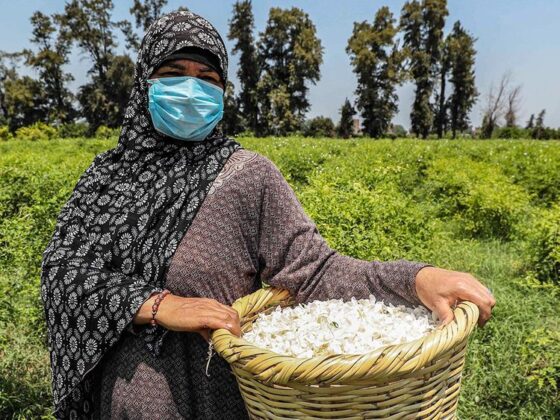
178, 313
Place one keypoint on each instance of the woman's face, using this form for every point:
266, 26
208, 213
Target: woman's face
185, 67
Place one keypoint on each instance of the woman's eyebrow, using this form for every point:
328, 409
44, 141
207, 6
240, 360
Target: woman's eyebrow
207, 70
173, 65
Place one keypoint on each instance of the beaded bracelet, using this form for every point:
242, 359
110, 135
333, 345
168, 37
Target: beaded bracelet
155, 306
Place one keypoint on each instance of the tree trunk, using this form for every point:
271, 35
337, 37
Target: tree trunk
441, 110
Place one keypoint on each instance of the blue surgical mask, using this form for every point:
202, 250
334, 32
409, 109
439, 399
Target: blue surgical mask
185, 108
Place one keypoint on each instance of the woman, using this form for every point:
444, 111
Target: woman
123, 347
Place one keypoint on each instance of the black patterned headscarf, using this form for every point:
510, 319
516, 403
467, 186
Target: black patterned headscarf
116, 235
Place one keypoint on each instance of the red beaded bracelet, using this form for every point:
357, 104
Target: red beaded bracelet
155, 306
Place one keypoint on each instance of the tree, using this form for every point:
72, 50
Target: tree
8, 62
441, 111
319, 127
539, 131
145, 13
289, 56
88, 24
105, 104
422, 26
495, 106
513, 99
417, 66
398, 131
531, 122
376, 62
462, 58
434, 14
241, 28
502, 101
345, 128
275, 112
51, 56
25, 101
22, 98
232, 123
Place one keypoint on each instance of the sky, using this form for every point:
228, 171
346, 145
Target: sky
520, 37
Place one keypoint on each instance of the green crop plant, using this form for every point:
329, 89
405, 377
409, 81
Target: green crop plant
485, 207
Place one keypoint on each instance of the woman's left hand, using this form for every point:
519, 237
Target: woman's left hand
440, 289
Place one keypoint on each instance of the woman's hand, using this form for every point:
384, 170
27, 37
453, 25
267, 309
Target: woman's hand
439, 289
199, 315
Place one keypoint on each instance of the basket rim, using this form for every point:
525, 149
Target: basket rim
387, 362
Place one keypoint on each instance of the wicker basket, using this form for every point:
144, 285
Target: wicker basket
419, 379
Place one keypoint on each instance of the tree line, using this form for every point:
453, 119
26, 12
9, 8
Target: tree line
89, 26
276, 69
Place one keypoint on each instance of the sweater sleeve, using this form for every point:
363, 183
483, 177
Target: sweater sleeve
294, 256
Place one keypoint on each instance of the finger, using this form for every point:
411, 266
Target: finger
484, 316
231, 323
234, 319
444, 312
483, 300
473, 292
487, 294
484, 305
484, 291
492, 298
219, 319
230, 310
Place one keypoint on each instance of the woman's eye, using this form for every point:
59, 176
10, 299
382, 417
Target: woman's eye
170, 74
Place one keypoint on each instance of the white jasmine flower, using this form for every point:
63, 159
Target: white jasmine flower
335, 327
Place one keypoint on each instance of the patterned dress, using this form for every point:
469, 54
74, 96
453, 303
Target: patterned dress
250, 228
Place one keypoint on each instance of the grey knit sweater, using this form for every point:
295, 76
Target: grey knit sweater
250, 228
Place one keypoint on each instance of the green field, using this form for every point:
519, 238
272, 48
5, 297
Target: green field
491, 208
